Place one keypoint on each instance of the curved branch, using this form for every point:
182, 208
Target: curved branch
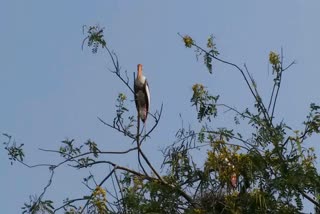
234, 110
69, 203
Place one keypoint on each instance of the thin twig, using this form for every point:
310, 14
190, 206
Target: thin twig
114, 187
47, 186
121, 191
233, 109
68, 203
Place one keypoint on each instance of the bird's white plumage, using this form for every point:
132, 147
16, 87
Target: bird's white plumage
148, 94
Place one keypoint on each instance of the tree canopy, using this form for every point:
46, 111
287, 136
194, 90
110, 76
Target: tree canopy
270, 170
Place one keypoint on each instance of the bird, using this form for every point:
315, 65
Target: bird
234, 180
142, 95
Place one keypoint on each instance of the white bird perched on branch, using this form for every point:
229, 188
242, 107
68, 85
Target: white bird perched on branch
142, 95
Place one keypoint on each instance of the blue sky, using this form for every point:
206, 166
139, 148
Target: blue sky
52, 90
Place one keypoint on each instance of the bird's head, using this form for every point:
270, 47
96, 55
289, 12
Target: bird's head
139, 70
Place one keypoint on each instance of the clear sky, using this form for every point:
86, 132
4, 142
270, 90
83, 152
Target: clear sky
51, 90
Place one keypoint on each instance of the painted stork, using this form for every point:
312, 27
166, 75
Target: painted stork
142, 95
234, 180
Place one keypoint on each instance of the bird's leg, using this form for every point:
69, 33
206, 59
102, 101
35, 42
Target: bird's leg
145, 131
142, 133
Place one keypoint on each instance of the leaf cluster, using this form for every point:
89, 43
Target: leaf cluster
15, 152
204, 102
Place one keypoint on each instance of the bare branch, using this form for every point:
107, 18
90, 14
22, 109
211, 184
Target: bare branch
309, 198
278, 85
115, 62
126, 133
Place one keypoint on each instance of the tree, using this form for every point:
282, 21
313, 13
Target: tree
272, 170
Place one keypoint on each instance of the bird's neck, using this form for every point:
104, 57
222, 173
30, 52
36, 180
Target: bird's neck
141, 78
139, 70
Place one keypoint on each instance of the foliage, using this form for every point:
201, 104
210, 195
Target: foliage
36, 206
95, 38
15, 152
207, 55
271, 170
205, 103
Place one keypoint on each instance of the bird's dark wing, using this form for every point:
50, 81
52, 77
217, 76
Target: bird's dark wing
135, 93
